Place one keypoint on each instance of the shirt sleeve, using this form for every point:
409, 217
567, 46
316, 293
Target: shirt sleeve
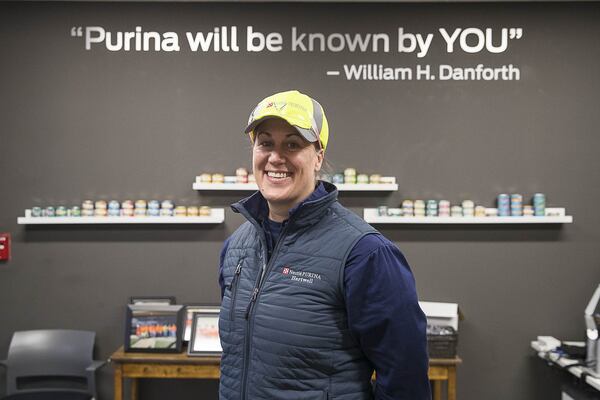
385, 318
221, 261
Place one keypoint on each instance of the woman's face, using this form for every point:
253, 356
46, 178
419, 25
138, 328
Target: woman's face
285, 164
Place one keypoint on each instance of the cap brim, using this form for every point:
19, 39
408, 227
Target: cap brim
306, 133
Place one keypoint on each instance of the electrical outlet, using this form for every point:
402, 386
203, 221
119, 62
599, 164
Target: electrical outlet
4, 246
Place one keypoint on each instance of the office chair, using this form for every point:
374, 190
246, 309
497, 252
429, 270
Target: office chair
51, 364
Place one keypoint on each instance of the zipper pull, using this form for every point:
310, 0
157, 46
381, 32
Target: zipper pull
252, 300
238, 269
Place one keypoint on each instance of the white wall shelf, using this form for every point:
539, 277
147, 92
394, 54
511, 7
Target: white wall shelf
371, 216
367, 187
217, 217
343, 187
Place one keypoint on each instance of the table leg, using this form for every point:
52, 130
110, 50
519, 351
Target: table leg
452, 383
118, 382
437, 390
134, 389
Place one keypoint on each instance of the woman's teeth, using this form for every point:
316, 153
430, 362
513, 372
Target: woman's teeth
278, 174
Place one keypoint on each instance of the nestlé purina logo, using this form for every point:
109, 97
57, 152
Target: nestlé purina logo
300, 276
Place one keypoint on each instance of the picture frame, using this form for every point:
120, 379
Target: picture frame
153, 328
190, 308
205, 339
153, 300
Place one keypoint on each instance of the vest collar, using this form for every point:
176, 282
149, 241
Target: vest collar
255, 208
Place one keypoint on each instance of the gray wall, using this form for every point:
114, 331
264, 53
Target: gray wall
78, 125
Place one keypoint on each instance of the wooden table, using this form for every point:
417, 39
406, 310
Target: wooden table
160, 365
180, 365
443, 369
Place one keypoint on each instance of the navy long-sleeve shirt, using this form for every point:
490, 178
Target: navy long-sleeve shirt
383, 311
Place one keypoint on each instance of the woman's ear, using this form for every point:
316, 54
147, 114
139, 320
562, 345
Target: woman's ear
319, 161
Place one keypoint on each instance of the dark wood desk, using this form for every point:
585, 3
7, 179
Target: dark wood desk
163, 365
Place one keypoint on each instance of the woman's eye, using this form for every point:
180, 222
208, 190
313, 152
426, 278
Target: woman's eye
264, 143
293, 146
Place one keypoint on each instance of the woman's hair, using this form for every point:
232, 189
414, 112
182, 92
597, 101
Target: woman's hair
326, 168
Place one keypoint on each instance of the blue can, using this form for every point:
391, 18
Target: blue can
516, 200
432, 212
503, 199
503, 211
539, 200
338, 178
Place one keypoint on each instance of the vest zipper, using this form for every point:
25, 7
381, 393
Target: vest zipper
255, 293
252, 300
234, 286
248, 336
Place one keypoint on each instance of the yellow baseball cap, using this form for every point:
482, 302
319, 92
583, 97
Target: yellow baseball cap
302, 112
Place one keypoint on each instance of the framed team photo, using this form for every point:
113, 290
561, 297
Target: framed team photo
154, 328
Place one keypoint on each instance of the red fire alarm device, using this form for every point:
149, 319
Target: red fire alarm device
4, 246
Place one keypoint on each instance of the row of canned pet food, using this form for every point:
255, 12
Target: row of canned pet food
128, 208
241, 176
349, 176
512, 205
507, 206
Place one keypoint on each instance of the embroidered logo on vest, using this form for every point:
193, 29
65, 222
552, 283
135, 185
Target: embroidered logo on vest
300, 276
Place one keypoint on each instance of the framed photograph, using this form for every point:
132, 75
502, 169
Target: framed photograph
153, 328
189, 311
164, 300
205, 334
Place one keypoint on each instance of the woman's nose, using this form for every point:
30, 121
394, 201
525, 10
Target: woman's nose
276, 156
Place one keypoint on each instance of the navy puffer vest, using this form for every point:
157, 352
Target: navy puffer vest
286, 336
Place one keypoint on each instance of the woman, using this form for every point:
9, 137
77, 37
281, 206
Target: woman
314, 298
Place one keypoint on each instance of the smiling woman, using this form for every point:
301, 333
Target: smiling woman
313, 298
285, 166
